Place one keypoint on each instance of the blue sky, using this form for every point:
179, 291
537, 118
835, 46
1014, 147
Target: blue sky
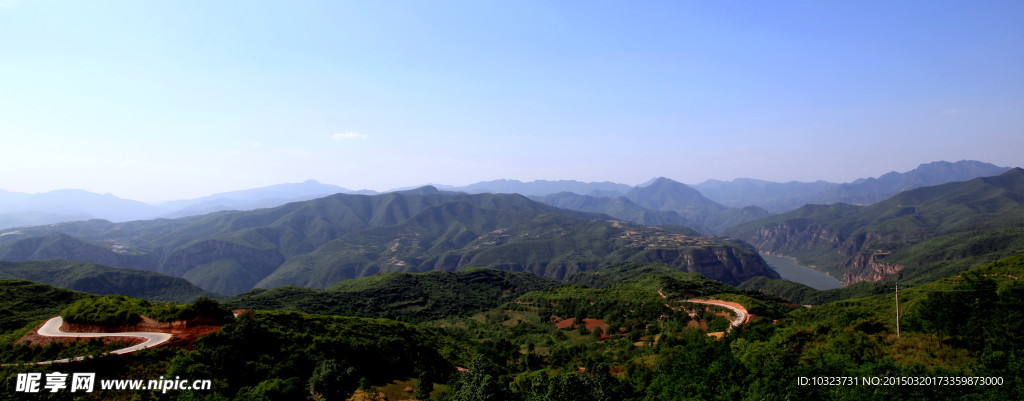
161, 100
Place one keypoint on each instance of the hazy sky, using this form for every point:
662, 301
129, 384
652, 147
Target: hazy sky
159, 100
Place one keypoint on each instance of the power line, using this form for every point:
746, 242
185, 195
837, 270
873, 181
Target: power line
897, 309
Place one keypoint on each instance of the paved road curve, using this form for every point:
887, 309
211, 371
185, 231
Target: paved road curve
741, 314
52, 329
742, 317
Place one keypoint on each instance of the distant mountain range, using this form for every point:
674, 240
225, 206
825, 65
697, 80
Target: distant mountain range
782, 197
710, 206
71, 203
659, 202
256, 198
541, 187
319, 242
916, 235
619, 207
21, 209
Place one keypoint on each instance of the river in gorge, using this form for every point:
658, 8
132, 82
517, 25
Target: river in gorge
790, 270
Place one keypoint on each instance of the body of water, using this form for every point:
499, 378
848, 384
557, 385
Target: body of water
792, 271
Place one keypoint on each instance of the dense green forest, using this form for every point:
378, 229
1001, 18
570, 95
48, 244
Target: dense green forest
103, 280
621, 332
411, 297
119, 310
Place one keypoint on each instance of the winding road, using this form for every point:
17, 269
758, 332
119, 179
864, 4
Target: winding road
52, 329
742, 317
741, 313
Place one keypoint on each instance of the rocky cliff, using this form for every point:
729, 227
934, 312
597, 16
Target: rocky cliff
855, 257
869, 267
320, 242
725, 264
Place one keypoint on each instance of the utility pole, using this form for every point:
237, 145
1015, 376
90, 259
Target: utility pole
897, 309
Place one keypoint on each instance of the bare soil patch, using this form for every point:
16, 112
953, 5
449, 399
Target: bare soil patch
185, 332
590, 324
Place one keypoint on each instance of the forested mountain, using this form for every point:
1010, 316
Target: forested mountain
870, 190
34, 218
618, 207
659, 202
921, 234
412, 297
22, 302
320, 242
102, 280
665, 194
629, 335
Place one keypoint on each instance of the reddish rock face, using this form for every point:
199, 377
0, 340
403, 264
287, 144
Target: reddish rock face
867, 267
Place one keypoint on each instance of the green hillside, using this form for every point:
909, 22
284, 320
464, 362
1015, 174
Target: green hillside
411, 297
550, 245
620, 340
289, 355
609, 275
102, 280
22, 302
655, 277
986, 298
260, 355
620, 208
804, 295
932, 231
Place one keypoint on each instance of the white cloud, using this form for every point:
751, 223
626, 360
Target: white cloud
347, 136
256, 145
9, 3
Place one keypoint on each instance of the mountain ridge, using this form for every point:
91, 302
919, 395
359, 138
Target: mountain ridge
22, 209
872, 242
102, 280
318, 242
784, 197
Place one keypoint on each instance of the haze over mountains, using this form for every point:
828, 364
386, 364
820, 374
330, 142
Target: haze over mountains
714, 206
782, 197
916, 235
20, 209
319, 242
256, 198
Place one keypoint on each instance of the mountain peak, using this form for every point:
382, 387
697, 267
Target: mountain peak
659, 181
665, 194
424, 190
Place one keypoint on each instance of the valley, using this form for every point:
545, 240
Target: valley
511, 201
790, 270
320, 242
432, 294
